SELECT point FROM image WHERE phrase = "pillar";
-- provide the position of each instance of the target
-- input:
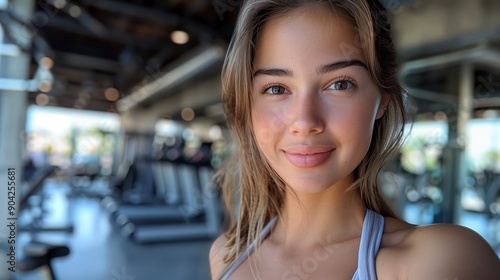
(12, 124)
(460, 82)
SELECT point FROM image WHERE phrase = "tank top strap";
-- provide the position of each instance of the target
(371, 236)
(265, 231)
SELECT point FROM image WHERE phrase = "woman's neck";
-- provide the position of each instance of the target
(329, 217)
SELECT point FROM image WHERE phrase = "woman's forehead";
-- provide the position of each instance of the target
(308, 36)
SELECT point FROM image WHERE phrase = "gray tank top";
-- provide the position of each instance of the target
(371, 236)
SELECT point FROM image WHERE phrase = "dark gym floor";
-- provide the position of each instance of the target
(98, 251)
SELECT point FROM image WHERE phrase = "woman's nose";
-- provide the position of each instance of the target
(307, 114)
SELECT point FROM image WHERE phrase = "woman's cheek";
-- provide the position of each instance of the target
(269, 122)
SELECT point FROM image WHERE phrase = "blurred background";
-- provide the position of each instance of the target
(110, 114)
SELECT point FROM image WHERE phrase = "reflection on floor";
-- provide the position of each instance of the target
(98, 251)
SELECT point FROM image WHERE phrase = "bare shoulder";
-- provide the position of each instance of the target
(444, 251)
(217, 253)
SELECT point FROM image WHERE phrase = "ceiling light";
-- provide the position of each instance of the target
(111, 94)
(179, 37)
(46, 62)
(187, 114)
(45, 86)
(60, 4)
(42, 99)
(75, 11)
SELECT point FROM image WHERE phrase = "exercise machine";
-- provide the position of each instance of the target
(186, 205)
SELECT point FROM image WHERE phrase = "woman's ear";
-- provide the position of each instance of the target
(383, 105)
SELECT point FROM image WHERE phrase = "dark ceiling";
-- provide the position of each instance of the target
(96, 45)
(124, 44)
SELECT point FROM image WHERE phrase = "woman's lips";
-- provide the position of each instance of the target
(308, 157)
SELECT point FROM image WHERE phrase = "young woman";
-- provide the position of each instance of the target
(311, 94)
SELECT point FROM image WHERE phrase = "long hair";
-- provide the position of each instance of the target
(261, 190)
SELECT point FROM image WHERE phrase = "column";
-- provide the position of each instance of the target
(460, 82)
(12, 124)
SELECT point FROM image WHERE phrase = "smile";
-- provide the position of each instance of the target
(308, 157)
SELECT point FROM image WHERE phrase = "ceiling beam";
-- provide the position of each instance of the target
(75, 92)
(111, 35)
(198, 97)
(204, 32)
(69, 102)
(181, 72)
(452, 44)
(88, 62)
(70, 74)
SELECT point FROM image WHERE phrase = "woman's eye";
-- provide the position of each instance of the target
(275, 90)
(342, 85)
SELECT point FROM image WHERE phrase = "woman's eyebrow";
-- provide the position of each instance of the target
(272, 72)
(322, 70)
(339, 65)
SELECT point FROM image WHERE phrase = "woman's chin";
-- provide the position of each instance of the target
(308, 188)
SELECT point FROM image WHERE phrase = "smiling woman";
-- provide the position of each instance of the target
(312, 121)
(311, 95)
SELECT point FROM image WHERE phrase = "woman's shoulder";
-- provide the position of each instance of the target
(439, 251)
(218, 252)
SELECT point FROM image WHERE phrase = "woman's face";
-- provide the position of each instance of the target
(314, 103)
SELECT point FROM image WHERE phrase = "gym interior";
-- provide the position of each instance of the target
(111, 128)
